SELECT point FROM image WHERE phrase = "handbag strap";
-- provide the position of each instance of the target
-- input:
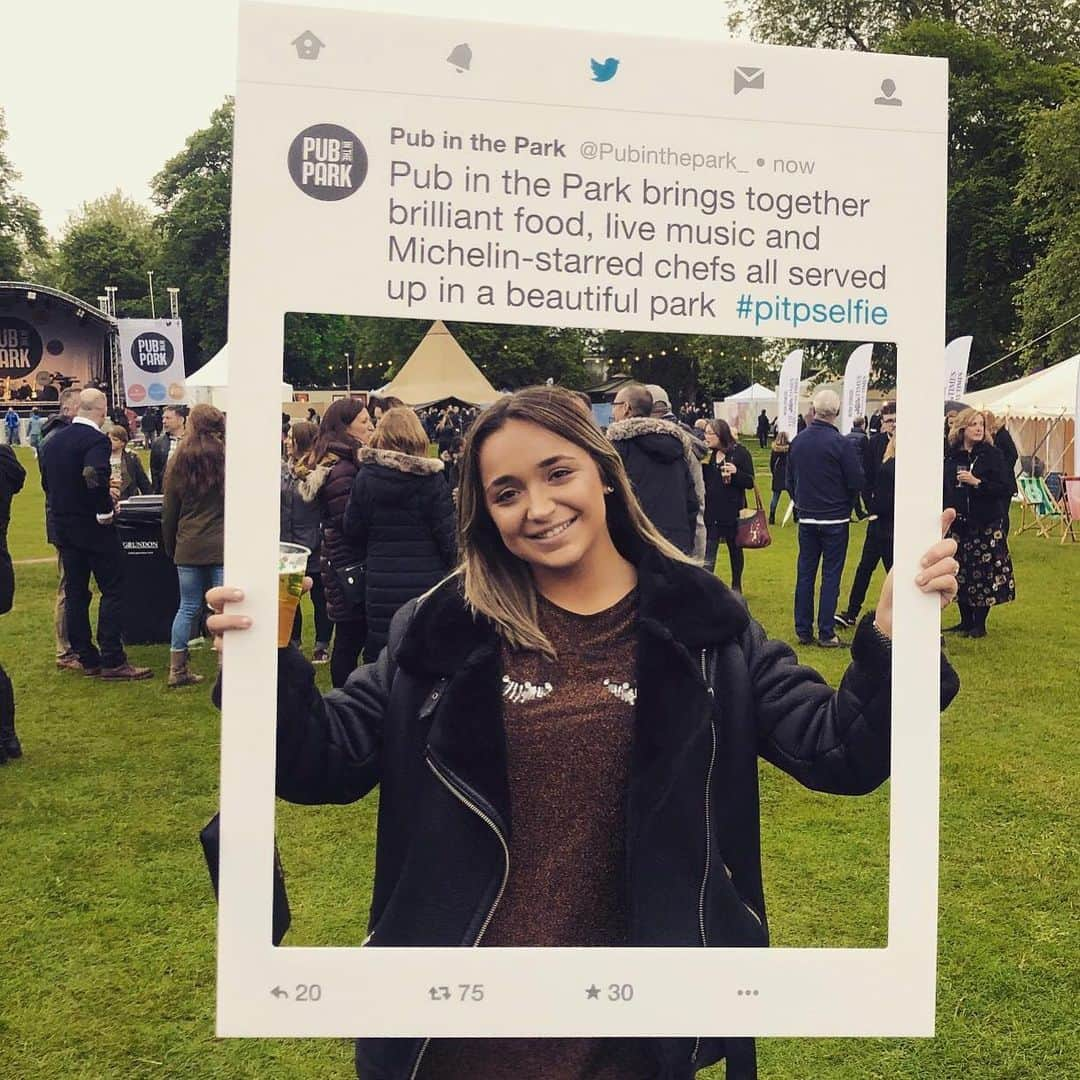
(757, 497)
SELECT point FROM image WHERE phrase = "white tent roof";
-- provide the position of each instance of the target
(1043, 395)
(757, 392)
(214, 375)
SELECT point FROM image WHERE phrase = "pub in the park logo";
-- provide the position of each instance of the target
(20, 348)
(151, 352)
(327, 162)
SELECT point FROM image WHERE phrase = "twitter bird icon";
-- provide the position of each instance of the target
(602, 72)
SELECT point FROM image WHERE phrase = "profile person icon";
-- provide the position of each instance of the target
(888, 94)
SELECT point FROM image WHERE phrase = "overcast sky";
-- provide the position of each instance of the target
(99, 96)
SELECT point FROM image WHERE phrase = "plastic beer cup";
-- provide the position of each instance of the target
(292, 562)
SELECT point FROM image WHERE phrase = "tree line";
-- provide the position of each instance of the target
(1013, 269)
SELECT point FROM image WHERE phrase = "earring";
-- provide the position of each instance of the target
(609, 491)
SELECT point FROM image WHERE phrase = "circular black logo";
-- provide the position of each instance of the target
(152, 352)
(20, 348)
(327, 162)
(54, 347)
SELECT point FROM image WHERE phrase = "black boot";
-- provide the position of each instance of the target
(965, 623)
(978, 622)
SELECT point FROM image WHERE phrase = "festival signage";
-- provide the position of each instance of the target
(856, 384)
(957, 354)
(787, 394)
(153, 361)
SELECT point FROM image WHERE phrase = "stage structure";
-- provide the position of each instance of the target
(50, 340)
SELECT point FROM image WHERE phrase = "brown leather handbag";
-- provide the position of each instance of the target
(752, 530)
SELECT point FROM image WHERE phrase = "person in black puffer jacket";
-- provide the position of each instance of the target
(401, 518)
(301, 523)
(345, 427)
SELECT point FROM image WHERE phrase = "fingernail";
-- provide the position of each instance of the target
(925, 562)
(245, 622)
(237, 594)
(920, 580)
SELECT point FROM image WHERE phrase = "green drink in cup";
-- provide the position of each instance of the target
(292, 562)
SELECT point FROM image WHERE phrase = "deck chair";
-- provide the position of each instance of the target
(1038, 509)
(1070, 508)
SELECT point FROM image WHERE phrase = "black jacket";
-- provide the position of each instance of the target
(666, 476)
(12, 478)
(56, 422)
(401, 521)
(982, 505)
(778, 469)
(883, 500)
(424, 723)
(329, 485)
(75, 477)
(824, 473)
(133, 476)
(724, 501)
(159, 458)
(1009, 455)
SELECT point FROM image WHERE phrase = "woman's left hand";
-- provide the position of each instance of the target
(937, 575)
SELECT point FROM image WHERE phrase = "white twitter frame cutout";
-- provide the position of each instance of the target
(320, 243)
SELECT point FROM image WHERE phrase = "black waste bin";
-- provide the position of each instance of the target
(151, 594)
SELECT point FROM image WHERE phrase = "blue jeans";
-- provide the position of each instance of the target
(827, 545)
(194, 581)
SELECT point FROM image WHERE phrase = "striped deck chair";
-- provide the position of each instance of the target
(1038, 509)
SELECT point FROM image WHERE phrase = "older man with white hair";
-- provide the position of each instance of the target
(75, 476)
(824, 475)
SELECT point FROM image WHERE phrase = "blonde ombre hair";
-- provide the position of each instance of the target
(498, 584)
(963, 419)
(399, 429)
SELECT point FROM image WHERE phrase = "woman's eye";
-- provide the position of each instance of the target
(559, 474)
(505, 495)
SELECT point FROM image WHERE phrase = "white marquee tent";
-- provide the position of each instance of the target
(210, 383)
(1039, 411)
(741, 410)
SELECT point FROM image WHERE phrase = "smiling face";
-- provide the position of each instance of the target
(545, 497)
(975, 430)
(712, 440)
(361, 428)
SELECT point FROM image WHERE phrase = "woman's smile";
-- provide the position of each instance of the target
(554, 531)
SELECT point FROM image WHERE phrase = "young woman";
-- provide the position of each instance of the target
(400, 520)
(127, 476)
(573, 680)
(301, 523)
(193, 527)
(346, 426)
(778, 471)
(728, 471)
(976, 486)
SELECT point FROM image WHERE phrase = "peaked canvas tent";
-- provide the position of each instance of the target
(438, 370)
(741, 410)
(1039, 411)
(210, 383)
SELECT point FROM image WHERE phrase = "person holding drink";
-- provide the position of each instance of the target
(127, 476)
(976, 487)
(543, 727)
(193, 527)
(728, 471)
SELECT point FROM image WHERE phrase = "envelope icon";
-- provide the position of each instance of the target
(749, 78)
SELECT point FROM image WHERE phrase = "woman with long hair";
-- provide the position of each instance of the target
(728, 471)
(332, 464)
(544, 727)
(976, 486)
(778, 471)
(301, 523)
(400, 520)
(193, 527)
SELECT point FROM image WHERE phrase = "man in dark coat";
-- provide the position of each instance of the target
(824, 476)
(65, 655)
(173, 420)
(663, 468)
(763, 429)
(75, 476)
(858, 438)
(12, 477)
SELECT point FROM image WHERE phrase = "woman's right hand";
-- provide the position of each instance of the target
(221, 622)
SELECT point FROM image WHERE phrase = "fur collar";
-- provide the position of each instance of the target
(311, 484)
(406, 463)
(678, 601)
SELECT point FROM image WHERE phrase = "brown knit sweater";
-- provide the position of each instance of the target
(569, 725)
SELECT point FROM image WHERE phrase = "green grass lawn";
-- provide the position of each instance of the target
(107, 920)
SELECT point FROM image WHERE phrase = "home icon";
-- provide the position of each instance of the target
(308, 46)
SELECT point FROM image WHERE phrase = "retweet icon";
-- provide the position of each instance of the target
(601, 72)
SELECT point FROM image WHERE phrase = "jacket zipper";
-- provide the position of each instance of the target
(487, 819)
(708, 815)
